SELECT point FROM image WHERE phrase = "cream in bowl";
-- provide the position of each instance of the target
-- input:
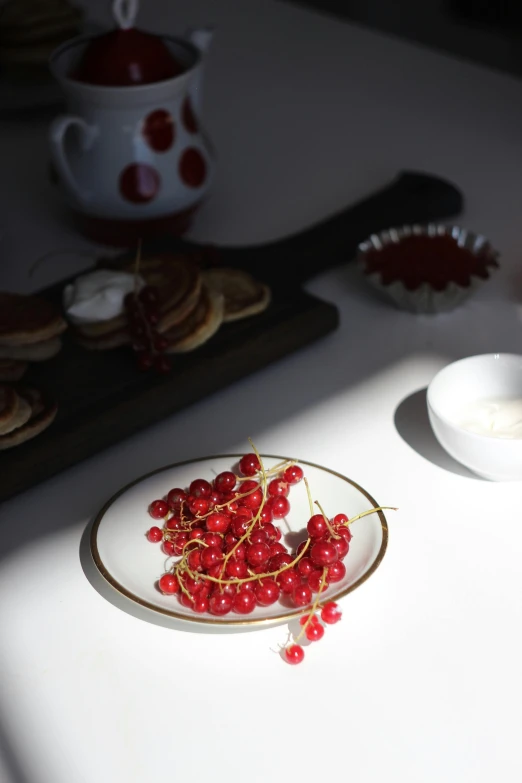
(475, 410)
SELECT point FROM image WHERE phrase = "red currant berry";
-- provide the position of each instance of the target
(175, 498)
(187, 600)
(294, 654)
(339, 519)
(195, 533)
(217, 571)
(240, 526)
(179, 540)
(158, 509)
(230, 589)
(215, 498)
(258, 537)
(345, 532)
(302, 595)
(190, 584)
(174, 523)
(280, 507)
(220, 603)
(305, 566)
(244, 601)
(342, 546)
(315, 581)
(293, 474)
(331, 613)
(304, 619)
(168, 547)
(145, 360)
(194, 560)
(317, 526)
(200, 488)
(272, 532)
(267, 592)
(287, 580)
(212, 539)
(154, 535)
(277, 487)
(211, 556)
(198, 506)
(276, 548)
(168, 584)
(301, 547)
(236, 569)
(266, 514)
(336, 571)
(279, 561)
(247, 586)
(257, 554)
(249, 465)
(218, 523)
(314, 632)
(200, 604)
(225, 482)
(323, 553)
(253, 500)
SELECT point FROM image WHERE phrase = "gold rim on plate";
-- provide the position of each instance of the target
(198, 619)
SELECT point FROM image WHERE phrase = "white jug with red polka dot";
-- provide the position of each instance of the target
(131, 156)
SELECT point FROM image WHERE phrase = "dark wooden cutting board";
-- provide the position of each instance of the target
(103, 398)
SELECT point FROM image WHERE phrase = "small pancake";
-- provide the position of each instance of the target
(8, 406)
(12, 370)
(102, 328)
(21, 415)
(34, 352)
(104, 342)
(42, 414)
(244, 296)
(27, 319)
(199, 326)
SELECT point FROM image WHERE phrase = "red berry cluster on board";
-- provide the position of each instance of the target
(229, 552)
(143, 315)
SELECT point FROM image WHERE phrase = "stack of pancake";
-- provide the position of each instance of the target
(24, 414)
(30, 30)
(30, 329)
(192, 304)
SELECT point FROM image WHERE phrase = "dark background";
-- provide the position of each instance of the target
(485, 31)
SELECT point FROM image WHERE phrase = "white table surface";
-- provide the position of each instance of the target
(422, 679)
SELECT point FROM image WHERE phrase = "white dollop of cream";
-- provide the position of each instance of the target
(98, 296)
(498, 418)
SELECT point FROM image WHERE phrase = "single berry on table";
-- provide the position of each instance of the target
(294, 654)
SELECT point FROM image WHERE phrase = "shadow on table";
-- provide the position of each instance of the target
(413, 425)
(10, 762)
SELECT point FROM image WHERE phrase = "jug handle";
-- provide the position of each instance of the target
(57, 132)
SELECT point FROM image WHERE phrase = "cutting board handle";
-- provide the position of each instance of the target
(411, 198)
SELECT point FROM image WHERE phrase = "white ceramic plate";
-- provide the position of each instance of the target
(132, 565)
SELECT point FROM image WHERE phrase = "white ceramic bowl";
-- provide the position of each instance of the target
(466, 381)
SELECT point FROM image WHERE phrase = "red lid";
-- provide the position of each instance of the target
(126, 58)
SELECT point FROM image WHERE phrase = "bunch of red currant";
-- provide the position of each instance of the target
(143, 315)
(230, 554)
